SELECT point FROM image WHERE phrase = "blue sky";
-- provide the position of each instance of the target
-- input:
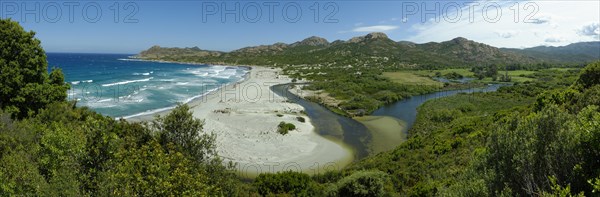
(199, 23)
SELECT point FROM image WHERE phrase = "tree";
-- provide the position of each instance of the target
(151, 171)
(184, 131)
(62, 146)
(26, 86)
(525, 151)
(505, 77)
(19, 175)
(590, 76)
(492, 70)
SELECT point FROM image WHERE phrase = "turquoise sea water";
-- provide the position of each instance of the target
(119, 86)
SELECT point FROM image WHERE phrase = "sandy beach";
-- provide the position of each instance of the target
(245, 115)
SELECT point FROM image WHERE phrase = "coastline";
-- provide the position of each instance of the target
(149, 115)
(244, 115)
(135, 58)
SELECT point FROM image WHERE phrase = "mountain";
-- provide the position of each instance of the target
(576, 52)
(312, 41)
(471, 52)
(378, 48)
(158, 52)
(369, 37)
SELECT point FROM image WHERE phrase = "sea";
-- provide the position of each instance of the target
(121, 86)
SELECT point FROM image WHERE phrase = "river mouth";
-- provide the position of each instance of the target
(406, 109)
(331, 125)
(383, 130)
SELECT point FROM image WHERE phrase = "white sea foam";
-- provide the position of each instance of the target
(200, 76)
(145, 74)
(100, 103)
(127, 82)
(84, 81)
(169, 108)
(147, 112)
(104, 100)
(222, 72)
(134, 60)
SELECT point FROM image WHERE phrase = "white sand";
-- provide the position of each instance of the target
(246, 129)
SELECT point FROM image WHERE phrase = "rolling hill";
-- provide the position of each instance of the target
(378, 48)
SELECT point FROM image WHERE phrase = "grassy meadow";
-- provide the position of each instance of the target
(424, 77)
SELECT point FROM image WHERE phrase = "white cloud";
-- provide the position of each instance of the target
(507, 34)
(590, 30)
(564, 21)
(376, 28)
(555, 39)
(540, 20)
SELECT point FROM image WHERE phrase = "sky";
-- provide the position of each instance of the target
(121, 26)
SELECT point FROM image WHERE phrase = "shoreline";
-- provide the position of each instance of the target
(149, 115)
(244, 115)
(134, 58)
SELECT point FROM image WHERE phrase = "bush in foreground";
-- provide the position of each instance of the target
(362, 183)
(298, 184)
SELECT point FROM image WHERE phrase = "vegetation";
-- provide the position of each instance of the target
(364, 183)
(485, 71)
(57, 149)
(512, 142)
(26, 85)
(365, 73)
(284, 128)
(540, 137)
(455, 145)
(301, 119)
(410, 78)
(453, 75)
(292, 183)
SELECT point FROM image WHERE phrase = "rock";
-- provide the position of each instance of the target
(376, 35)
(370, 36)
(312, 41)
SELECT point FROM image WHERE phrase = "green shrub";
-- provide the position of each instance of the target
(301, 119)
(453, 75)
(590, 76)
(362, 183)
(284, 128)
(445, 115)
(467, 107)
(295, 183)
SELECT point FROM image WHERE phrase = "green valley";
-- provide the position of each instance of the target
(527, 122)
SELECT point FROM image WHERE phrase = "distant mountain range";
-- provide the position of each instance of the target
(576, 52)
(378, 48)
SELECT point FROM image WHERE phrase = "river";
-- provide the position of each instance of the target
(352, 132)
